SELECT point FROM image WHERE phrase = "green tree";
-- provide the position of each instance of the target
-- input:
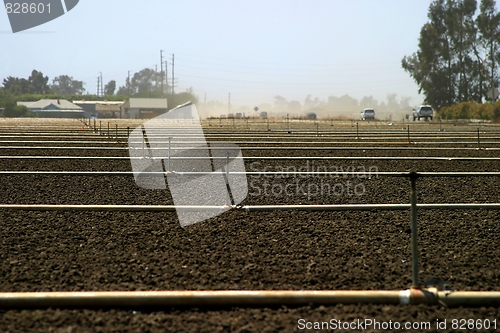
(488, 23)
(432, 65)
(464, 36)
(143, 82)
(35, 84)
(125, 90)
(16, 86)
(66, 85)
(13, 110)
(38, 83)
(109, 89)
(458, 52)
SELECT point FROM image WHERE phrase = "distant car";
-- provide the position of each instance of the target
(238, 115)
(423, 111)
(263, 114)
(230, 115)
(311, 115)
(368, 114)
(223, 116)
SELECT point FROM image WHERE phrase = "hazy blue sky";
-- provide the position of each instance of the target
(251, 49)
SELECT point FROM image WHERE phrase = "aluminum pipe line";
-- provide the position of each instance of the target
(172, 208)
(260, 173)
(193, 298)
(272, 158)
(320, 140)
(368, 207)
(256, 298)
(404, 146)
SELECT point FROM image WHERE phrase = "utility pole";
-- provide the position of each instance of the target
(229, 104)
(161, 71)
(173, 61)
(166, 76)
(156, 77)
(102, 86)
(128, 84)
(98, 82)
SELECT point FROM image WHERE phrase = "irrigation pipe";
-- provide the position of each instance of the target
(255, 298)
(260, 148)
(182, 141)
(248, 208)
(370, 207)
(274, 135)
(380, 135)
(258, 173)
(272, 158)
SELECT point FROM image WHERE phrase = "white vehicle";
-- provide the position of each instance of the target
(423, 111)
(368, 114)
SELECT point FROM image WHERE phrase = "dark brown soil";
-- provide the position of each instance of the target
(54, 251)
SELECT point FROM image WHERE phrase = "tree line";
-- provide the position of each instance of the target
(147, 83)
(344, 106)
(38, 84)
(144, 84)
(458, 53)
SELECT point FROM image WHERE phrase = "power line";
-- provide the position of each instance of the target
(289, 83)
(358, 71)
(280, 64)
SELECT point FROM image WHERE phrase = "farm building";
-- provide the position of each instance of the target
(143, 108)
(100, 109)
(54, 108)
